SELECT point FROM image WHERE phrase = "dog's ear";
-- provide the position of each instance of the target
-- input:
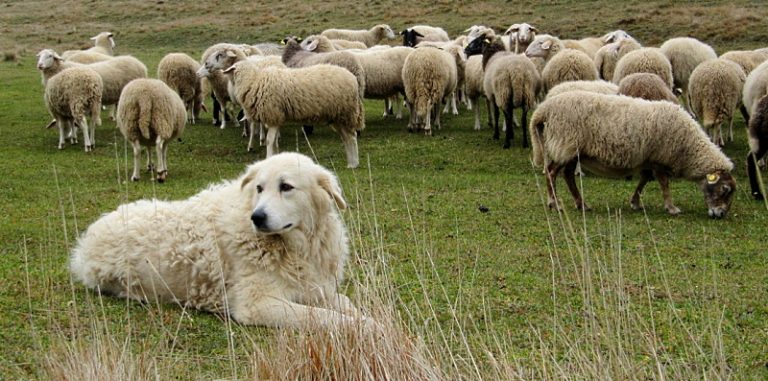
(331, 186)
(249, 175)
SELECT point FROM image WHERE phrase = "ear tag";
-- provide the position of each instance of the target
(712, 178)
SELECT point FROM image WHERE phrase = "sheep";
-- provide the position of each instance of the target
(510, 80)
(644, 60)
(684, 54)
(369, 37)
(747, 59)
(115, 73)
(646, 86)
(598, 86)
(561, 64)
(429, 75)
(755, 87)
(294, 56)
(521, 35)
(319, 93)
(150, 114)
(617, 135)
(179, 72)
(609, 55)
(457, 52)
(218, 85)
(414, 35)
(473, 86)
(590, 45)
(86, 57)
(758, 143)
(71, 95)
(103, 42)
(714, 92)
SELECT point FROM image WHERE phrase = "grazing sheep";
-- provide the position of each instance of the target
(369, 37)
(561, 64)
(510, 80)
(644, 60)
(747, 59)
(598, 86)
(294, 56)
(617, 136)
(714, 92)
(646, 86)
(684, 54)
(150, 114)
(103, 42)
(71, 95)
(414, 35)
(179, 72)
(429, 75)
(758, 143)
(521, 35)
(319, 93)
(609, 55)
(86, 57)
(473, 87)
(218, 85)
(115, 73)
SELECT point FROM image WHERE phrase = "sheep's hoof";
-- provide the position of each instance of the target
(583, 206)
(61, 146)
(134, 178)
(757, 196)
(635, 204)
(673, 210)
(553, 204)
(428, 132)
(161, 176)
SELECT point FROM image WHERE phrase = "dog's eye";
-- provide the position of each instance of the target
(259, 189)
(285, 187)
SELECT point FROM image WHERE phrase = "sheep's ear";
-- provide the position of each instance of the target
(230, 70)
(546, 45)
(331, 186)
(404, 31)
(313, 45)
(282, 42)
(512, 29)
(418, 34)
(533, 29)
(93, 38)
(231, 53)
(57, 57)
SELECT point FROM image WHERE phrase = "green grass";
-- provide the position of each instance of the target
(515, 274)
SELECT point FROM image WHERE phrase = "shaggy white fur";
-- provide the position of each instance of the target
(268, 248)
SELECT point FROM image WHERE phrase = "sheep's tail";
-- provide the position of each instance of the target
(145, 116)
(360, 120)
(96, 112)
(538, 122)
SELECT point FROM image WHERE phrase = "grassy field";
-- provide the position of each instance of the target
(450, 231)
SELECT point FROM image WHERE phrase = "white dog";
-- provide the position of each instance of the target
(268, 248)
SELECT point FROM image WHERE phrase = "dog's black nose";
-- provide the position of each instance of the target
(259, 219)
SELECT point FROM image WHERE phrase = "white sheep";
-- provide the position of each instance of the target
(414, 35)
(561, 64)
(150, 114)
(509, 81)
(684, 54)
(617, 136)
(294, 56)
(714, 93)
(456, 50)
(86, 57)
(179, 72)
(598, 86)
(647, 86)
(473, 87)
(644, 60)
(115, 73)
(319, 93)
(70, 96)
(270, 48)
(755, 87)
(519, 36)
(217, 82)
(369, 37)
(103, 43)
(609, 55)
(747, 59)
(590, 45)
(429, 75)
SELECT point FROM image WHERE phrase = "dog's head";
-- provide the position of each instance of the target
(289, 191)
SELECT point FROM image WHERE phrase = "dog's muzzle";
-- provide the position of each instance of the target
(259, 219)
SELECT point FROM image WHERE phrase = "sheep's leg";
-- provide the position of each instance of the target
(509, 134)
(62, 132)
(524, 125)
(436, 113)
(495, 121)
(663, 179)
(216, 110)
(387, 107)
(161, 147)
(224, 117)
(136, 160)
(477, 116)
(744, 114)
(350, 147)
(396, 103)
(730, 129)
(86, 135)
(645, 177)
(454, 102)
(272, 146)
(240, 116)
(552, 170)
(490, 113)
(251, 134)
(428, 122)
(470, 102)
(413, 118)
(570, 180)
(262, 134)
(752, 170)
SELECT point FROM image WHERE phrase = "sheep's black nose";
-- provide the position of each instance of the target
(259, 219)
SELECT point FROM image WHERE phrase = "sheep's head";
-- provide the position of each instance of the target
(410, 37)
(317, 43)
(218, 60)
(476, 45)
(47, 58)
(384, 30)
(291, 40)
(718, 188)
(524, 33)
(104, 39)
(540, 47)
(615, 36)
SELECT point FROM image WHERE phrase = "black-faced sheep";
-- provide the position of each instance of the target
(70, 96)
(414, 35)
(617, 136)
(150, 114)
(319, 93)
(369, 37)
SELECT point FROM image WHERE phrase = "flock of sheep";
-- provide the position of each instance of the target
(607, 103)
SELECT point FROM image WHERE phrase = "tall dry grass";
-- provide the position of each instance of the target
(608, 332)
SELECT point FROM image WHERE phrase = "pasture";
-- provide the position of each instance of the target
(453, 243)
